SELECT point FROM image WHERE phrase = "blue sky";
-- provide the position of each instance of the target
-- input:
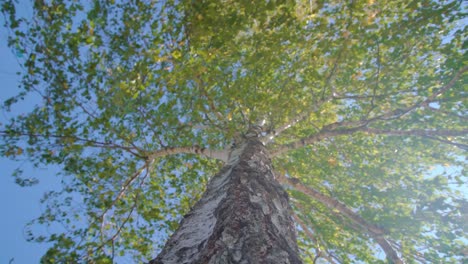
(18, 204)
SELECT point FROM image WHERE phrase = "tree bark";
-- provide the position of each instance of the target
(243, 217)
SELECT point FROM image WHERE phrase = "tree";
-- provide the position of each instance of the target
(359, 105)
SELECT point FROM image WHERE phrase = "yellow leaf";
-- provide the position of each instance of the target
(332, 161)
(19, 151)
(176, 54)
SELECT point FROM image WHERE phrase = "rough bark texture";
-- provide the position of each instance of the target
(243, 217)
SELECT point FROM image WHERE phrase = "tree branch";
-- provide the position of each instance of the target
(302, 116)
(119, 228)
(374, 231)
(87, 142)
(299, 118)
(458, 145)
(415, 132)
(210, 101)
(437, 110)
(394, 114)
(125, 187)
(449, 85)
(323, 134)
(399, 112)
(318, 252)
(215, 154)
(332, 204)
(377, 81)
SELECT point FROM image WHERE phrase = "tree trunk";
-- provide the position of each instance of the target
(243, 217)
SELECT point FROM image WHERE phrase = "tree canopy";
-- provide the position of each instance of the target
(361, 105)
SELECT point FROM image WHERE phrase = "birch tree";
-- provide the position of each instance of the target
(272, 131)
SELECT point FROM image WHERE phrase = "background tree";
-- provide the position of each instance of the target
(361, 105)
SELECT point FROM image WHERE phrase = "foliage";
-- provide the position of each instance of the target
(360, 100)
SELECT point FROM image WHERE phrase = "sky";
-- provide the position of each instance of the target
(18, 205)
